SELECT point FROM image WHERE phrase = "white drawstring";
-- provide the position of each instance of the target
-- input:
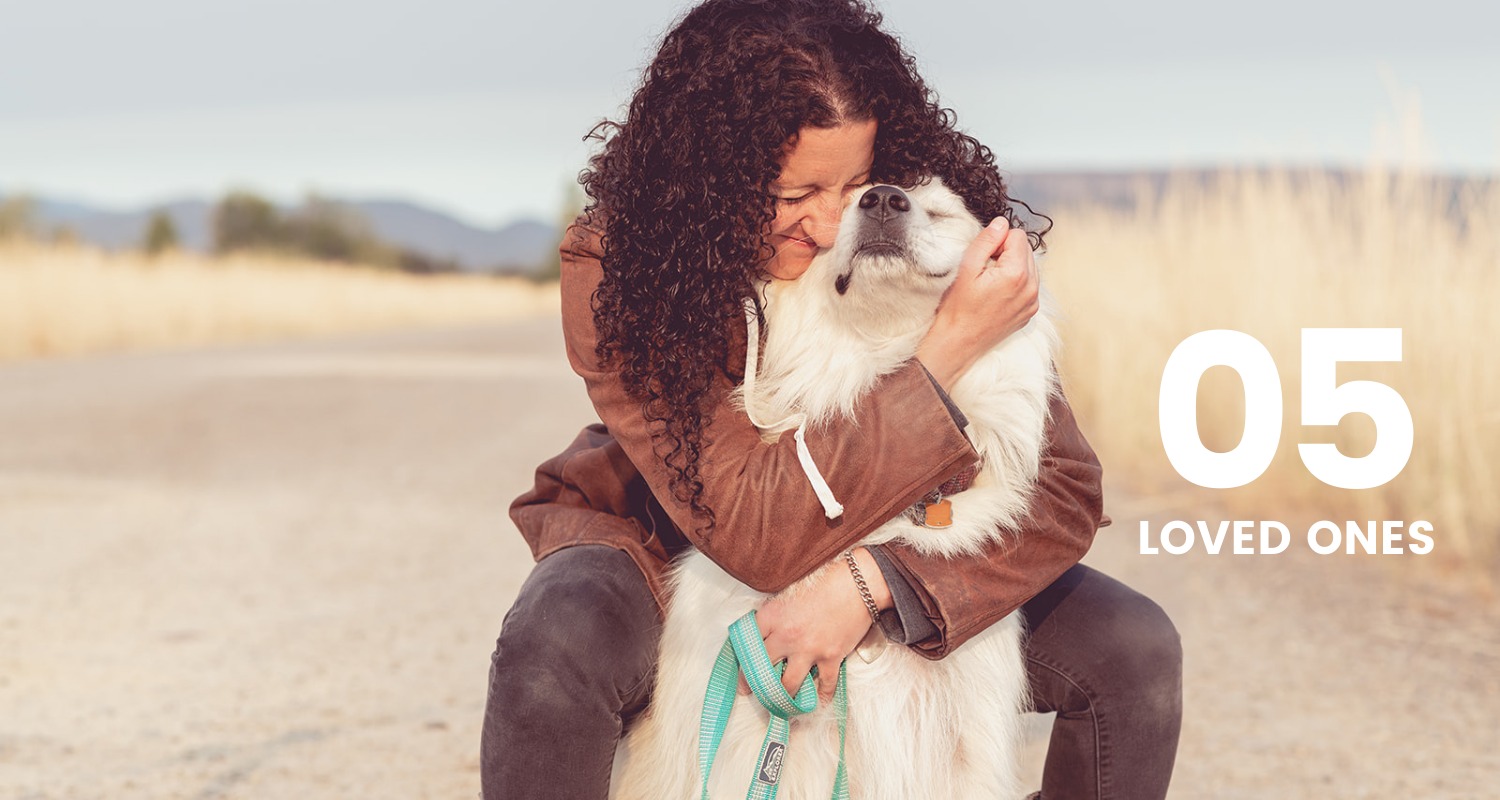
(831, 506)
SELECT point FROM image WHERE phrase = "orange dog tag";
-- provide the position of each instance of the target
(939, 514)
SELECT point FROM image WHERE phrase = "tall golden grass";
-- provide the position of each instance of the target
(1270, 253)
(69, 299)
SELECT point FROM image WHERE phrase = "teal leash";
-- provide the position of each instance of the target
(745, 650)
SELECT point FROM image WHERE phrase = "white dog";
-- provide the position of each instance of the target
(917, 728)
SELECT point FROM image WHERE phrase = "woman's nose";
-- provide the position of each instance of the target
(824, 224)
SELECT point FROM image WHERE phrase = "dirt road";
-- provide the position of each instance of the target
(278, 571)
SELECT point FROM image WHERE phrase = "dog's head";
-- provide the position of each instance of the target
(897, 251)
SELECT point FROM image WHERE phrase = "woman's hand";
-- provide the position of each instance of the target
(821, 623)
(986, 303)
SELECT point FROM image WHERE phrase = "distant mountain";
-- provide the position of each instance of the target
(121, 229)
(522, 246)
(1054, 190)
(1047, 192)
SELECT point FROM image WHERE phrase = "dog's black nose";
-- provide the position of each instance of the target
(884, 202)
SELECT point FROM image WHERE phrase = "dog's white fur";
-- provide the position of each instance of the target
(917, 728)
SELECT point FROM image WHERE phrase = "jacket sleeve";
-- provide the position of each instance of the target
(770, 528)
(961, 597)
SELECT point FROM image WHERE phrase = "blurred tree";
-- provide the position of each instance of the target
(161, 234)
(319, 228)
(18, 217)
(244, 220)
(422, 264)
(572, 206)
(322, 228)
(65, 235)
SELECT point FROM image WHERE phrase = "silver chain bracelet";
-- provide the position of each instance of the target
(864, 589)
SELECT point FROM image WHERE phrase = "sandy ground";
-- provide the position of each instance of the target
(278, 571)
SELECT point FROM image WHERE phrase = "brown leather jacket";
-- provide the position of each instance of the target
(608, 487)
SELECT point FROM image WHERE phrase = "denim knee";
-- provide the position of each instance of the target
(1143, 651)
(584, 623)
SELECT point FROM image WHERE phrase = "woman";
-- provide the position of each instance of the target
(752, 123)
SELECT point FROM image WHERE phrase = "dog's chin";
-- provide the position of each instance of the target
(881, 249)
(897, 256)
(893, 271)
(885, 259)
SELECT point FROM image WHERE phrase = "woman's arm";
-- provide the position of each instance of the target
(961, 597)
(770, 527)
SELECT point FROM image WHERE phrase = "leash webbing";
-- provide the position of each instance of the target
(745, 650)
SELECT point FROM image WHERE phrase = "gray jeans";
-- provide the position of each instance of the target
(576, 654)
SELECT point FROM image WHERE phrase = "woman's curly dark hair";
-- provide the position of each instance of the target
(684, 184)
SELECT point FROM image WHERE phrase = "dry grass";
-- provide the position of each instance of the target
(1270, 254)
(65, 300)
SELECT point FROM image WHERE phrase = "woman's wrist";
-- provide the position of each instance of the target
(941, 358)
(874, 578)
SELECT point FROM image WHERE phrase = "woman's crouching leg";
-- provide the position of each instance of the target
(1109, 662)
(574, 656)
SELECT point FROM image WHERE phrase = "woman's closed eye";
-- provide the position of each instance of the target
(792, 201)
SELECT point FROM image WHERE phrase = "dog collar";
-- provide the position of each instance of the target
(934, 510)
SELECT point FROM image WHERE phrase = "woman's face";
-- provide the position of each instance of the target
(817, 176)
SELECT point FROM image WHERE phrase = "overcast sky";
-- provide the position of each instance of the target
(478, 108)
